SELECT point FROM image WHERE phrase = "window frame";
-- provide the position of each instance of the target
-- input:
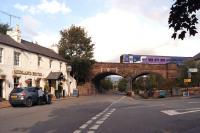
(50, 63)
(39, 61)
(1, 55)
(17, 60)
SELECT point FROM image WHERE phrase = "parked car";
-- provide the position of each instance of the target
(27, 96)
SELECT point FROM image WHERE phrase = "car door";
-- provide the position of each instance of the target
(33, 93)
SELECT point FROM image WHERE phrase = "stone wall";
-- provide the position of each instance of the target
(86, 89)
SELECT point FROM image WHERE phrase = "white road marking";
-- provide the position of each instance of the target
(88, 122)
(90, 132)
(83, 126)
(99, 122)
(170, 112)
(193, 102)
(95, 127)
(77, 131)
(94, 118)
(175, 112)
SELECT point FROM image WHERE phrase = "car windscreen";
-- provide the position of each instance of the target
(17, 90)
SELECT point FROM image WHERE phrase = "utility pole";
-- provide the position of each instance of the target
(10, 16)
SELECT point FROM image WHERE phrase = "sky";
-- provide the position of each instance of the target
(116, 26)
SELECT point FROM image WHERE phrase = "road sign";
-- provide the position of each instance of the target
(187, 80)
(193, 70)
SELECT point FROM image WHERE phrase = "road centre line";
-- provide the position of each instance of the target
(95, 127)
(83, 126)
(77, 131)
(97, 116)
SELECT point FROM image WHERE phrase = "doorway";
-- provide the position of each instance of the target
(1, 88)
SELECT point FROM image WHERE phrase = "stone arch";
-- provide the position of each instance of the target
(146, 73)
(97, 77)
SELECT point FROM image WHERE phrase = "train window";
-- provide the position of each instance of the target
(162, 60)
(150, 59)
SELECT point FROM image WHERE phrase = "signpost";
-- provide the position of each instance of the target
(187, 80)
(192, 70)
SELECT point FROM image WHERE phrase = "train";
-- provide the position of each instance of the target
(152, 59)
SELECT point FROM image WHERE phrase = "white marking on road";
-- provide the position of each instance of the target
(193, 102)
(83, 126)
(99, 122)
(95, 127)
(170, 112)
(90, 132)
(94, 118)
(88, 122)
(77, 131)
(175, 112)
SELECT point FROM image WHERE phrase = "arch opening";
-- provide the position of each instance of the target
(147, 83)
(106, 81)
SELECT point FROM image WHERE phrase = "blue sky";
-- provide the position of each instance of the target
(116, 26)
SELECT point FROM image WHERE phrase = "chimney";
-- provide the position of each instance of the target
(54, 47)
(15, 34)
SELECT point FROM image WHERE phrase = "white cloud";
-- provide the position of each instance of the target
(46, 38)
(21, 7)
(30, 25)
(31, 32)
(120, 31)
(45, 6)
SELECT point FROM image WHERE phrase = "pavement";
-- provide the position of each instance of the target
(6, 104)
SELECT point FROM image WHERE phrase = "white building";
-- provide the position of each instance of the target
(28, 64)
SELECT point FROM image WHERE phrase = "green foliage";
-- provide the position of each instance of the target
(195, 77)
(46, 87)
(81, 68)
(183, 18)
(148, 83)
(75, 43)
(106, 84)
(4, 28)
(76, 47)
(122, 85)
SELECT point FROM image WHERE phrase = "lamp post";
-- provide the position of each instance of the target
(69, 69)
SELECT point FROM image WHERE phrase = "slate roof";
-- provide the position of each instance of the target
(54, 75)
(196, 57)
(30, 47)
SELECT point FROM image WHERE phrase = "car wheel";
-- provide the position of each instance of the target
(49, 100)
(13, 105)
(29, 102)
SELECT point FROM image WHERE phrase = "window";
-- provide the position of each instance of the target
(50, 63)
(150, 59)
(162, 60)
(16, 81)
(1, 55)
(60, 65)
(156, 60)
(16, 58)
(39, 60)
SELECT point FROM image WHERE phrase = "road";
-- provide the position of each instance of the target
(105, 114)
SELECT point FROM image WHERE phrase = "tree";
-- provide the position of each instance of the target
(122, 85)
(76, 47)
(81, 68)
(106, 84)
(75, 43)
(195, 77)
(4, 28)
(182, 18)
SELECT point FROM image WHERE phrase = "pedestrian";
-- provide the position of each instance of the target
(19, 85)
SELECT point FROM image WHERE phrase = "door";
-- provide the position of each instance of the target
(1, 88)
